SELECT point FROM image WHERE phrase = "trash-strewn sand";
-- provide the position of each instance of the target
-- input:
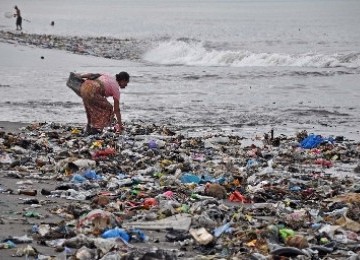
(298, 176)
(13, 223)
(13, 206)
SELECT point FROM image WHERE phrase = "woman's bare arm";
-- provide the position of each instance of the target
(118, 114)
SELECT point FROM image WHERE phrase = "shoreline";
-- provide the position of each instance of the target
(105, 47)
(128, 51)
(12, 127)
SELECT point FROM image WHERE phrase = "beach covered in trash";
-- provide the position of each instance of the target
(155, 192)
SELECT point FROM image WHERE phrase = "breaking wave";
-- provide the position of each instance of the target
(194, 53)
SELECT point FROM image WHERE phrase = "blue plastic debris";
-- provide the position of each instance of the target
(152, 144)
(190, 178)
(224, 228)
(91, 175)
(313, 141)
(77, 178)
(116, 233)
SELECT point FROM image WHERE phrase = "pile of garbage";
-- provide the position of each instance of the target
(156, 193)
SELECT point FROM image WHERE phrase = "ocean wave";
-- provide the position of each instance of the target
(195, 53)
(181, 51)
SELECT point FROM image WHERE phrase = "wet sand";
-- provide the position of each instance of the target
(11, 127)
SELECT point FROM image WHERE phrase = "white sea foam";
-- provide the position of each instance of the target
(195, 54)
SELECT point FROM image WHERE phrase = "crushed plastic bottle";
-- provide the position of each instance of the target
(8, 244)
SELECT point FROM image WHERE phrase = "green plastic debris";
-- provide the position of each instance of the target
(31, 214)
(286, 232)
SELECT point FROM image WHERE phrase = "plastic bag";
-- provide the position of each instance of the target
(313, 141)
(115, 233)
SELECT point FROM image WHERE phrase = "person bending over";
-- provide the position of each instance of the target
(94, 93)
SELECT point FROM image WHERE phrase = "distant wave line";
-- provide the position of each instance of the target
(194, 53)
(32, 104)
(182, 51)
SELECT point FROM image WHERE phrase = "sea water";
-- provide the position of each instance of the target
(224, 65)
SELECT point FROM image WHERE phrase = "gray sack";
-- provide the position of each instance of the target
(74, 82)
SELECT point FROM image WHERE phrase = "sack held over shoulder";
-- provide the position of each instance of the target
(74, 82)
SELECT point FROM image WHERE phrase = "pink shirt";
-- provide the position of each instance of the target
(111, 86)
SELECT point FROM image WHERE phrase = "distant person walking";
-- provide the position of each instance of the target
(18, 18)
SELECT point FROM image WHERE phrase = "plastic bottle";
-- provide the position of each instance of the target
(28, 192)
(7, 244)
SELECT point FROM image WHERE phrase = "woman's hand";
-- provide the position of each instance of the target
(119, 128)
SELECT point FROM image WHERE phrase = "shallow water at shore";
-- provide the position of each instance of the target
(198, 98)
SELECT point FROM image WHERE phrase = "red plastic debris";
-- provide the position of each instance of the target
(238, 197)
(324, 163)
(103, 154)
(150, 202)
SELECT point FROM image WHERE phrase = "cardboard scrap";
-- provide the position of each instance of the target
(201, 235)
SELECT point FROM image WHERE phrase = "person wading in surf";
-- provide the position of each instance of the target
(18, 18)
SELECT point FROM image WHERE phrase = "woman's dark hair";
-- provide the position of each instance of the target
(123, 76)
